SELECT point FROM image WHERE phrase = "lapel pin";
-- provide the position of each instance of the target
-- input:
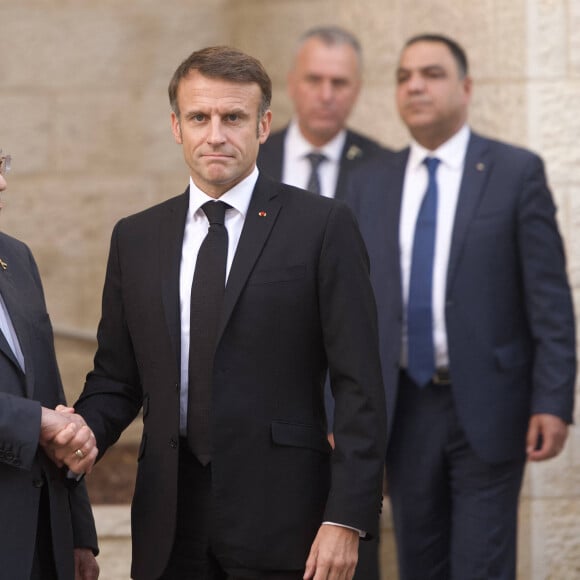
(480, 166)
(262, 214)
(3, 264)
(353, 152)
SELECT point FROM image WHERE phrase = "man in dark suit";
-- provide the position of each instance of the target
(235, 476)
(323, 83)
(47, 530)
(478, 341)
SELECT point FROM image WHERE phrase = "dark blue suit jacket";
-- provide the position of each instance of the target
(508, 311)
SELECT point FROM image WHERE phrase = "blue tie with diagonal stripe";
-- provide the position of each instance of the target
(421, 351)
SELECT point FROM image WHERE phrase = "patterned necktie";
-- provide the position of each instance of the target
(421, 351)
(314, 180)
(207, 296)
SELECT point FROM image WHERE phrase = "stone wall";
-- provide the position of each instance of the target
(83, 110)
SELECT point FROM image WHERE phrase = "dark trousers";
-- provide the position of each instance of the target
(43, 567)
(192, 556)
(455, 516)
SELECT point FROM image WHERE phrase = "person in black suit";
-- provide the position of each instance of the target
(239, 481)
(47, 530)
(479, 371)
(323, 83)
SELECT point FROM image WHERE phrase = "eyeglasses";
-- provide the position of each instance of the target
(5, 161)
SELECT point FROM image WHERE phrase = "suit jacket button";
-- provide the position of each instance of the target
(37, 483)
(173, 443)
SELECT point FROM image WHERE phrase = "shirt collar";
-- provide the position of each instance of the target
(237, 197)
(300, 147)
(451, 153)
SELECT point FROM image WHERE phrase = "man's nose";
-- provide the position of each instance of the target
(326, 90)
(215, 131)
(415, 83)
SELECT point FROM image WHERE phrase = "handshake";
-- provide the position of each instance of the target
(67, 439)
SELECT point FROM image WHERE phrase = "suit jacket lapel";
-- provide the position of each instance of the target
(171, 240)
(351, 154)
(476, 171)
(393, 213)
(262, 212)
(17, 312)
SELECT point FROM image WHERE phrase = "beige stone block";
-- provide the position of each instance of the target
(547, 48)
(573, 240)
(114, 531)
(554, 126)
(98, 133)
(557, 478)
(507, 42)
(75, 359)
(524, 561)
(68, 228)
(105, 44)
(376, 115)
(574, 38)
(286, 20)
(27, 133)
(499, 111)
(555, 529)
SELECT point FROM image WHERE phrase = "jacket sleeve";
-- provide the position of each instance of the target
(349, 322)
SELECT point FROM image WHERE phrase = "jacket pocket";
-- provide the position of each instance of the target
(299, 435)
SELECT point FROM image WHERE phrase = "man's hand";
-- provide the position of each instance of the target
(333, 555)
(546, 437)
(68, 440)
(86, 567)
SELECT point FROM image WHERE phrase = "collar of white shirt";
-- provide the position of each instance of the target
(450, 153)
(300, 147)
(237, 197)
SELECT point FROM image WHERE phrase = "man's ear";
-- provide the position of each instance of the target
(176, 128)
(264, 126)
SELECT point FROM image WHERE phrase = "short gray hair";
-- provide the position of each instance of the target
(332, 36)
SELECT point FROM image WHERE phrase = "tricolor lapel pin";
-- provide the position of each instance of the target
(262, 214)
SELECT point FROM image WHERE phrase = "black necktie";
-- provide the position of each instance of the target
(207, 296)
(421, 351)
(314, 180)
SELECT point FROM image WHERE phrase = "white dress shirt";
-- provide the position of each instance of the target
(296, 167)
(7, 329)
(449, 174)
(196, 227)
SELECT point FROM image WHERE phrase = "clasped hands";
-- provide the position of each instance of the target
(67, 439)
